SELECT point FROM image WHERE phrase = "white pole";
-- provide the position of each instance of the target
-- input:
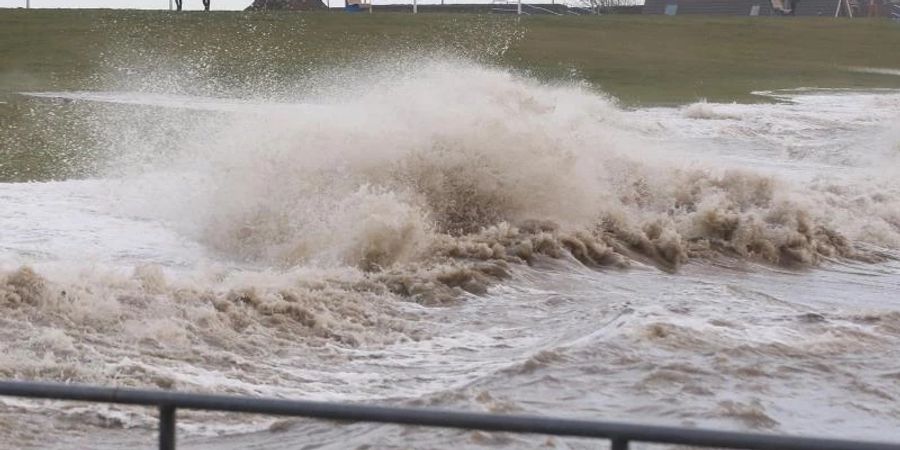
(519, 7)
(415, 7)
(170, 5)
(27, 4)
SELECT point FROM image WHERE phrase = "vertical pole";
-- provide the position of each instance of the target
(519, 7)
(166, 427)
(27, 4)
(415, 7)
(619, 444)
(171, 6)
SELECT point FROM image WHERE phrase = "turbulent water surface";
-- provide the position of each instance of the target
(467, 238)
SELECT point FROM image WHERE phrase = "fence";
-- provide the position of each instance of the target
(619, 434)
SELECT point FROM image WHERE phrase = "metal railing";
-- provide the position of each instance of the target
(620, 434)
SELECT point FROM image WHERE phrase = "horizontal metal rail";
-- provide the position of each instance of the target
(620, 434)
(541, 9)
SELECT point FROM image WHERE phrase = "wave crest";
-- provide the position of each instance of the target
(457, 161)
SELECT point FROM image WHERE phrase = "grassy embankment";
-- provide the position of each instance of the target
(640, 60)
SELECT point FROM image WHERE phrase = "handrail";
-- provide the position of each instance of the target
(621, 434)
(541, 8)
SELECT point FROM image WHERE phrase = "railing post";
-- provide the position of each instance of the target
(619, 444)
(166, 427)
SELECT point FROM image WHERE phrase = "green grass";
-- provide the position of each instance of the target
(666, 60)
(640, 60)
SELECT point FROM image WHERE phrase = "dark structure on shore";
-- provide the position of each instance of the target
(179, 2)
(824, 8)
(469, 8)
(289, 5)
